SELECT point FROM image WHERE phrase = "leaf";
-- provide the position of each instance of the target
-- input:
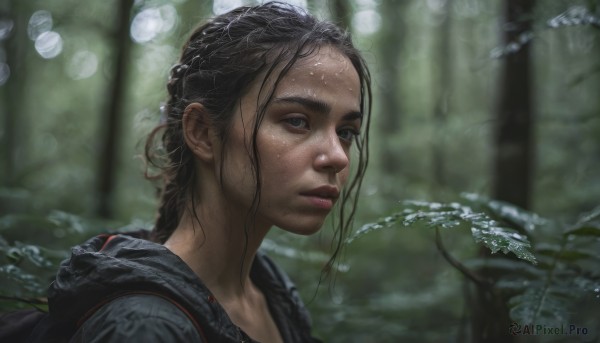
(34, 254)
(485, 230)
(587, 229)
(586, 284)
(497, 238)
(14, 255)
(386, 222)
(590, 216)
(71, 222)
(541, 305)
(569, 255)
(525, 220)
(26, 280)
(574, 16)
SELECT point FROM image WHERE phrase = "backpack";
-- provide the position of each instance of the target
(17, 326)
(35, 325)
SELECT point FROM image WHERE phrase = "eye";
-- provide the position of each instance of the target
(348, 134)
(297, 123)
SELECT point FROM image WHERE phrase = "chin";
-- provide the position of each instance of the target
(303, 228)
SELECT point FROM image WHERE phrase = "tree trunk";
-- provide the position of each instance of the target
(390, 48)
(13, 137)
(112, 123)
(514, 155)
(513, 159)
(442, 88)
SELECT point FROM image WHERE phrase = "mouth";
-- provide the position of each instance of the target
(323, 197)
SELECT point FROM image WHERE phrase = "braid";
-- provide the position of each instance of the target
(176, 173)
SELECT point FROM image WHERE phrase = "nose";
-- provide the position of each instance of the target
(331, 155)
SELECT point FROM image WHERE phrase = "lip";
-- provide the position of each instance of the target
(322, 197)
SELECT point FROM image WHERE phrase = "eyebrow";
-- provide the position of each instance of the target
(317, 106)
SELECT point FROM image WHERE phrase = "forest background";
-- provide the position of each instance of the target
(474, 100)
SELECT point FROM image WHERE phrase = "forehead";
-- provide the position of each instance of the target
(326, 67)
(326, 75)
(323, 57)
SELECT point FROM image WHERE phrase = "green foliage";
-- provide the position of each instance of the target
(571, 274)
(31, 248)
(574, 16)
(543, 292)
(487, 231)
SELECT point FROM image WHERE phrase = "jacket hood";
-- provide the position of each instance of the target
(108, 265)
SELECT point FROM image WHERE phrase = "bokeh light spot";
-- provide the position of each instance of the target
(82, 65)
(49, 44)
(6, 26)
(40, 22)
(366, 22)
(151, 22)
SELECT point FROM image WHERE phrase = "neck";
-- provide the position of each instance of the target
(217, 249)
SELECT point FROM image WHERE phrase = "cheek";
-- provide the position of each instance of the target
(276, 150)
(278, 160)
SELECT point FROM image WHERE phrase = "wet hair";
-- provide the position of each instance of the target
(218, 64)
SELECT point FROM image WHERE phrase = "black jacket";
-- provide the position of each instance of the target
(125, 289)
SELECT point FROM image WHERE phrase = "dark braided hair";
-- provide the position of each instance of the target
(218, 64)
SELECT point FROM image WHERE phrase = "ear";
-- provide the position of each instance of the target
(198, 132)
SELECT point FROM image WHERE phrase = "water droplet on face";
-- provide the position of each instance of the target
(323, 77)
(311, 73)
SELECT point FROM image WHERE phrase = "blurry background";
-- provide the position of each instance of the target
(495, 97)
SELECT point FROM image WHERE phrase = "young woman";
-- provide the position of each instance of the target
(266, 104)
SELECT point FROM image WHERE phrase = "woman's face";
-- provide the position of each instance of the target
(303, 142)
